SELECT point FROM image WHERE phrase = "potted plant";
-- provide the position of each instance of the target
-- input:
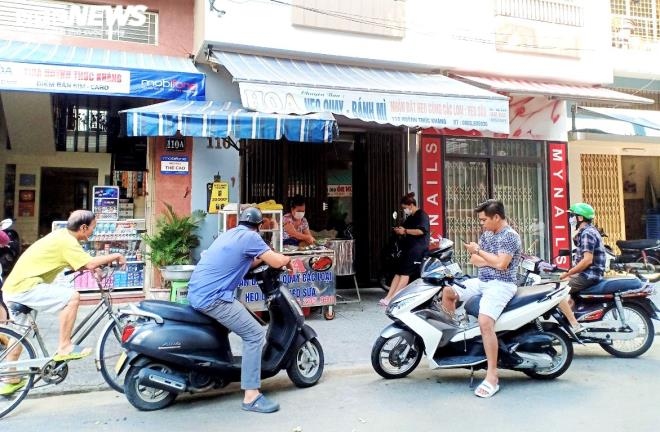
(170, 248)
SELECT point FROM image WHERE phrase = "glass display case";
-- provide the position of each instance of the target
(112, 236)
(271, 230)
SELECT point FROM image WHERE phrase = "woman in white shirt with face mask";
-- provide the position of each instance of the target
(296, 228)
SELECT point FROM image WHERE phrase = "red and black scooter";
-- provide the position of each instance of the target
(173, 349)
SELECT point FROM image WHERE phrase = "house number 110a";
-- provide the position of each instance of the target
(175, 144)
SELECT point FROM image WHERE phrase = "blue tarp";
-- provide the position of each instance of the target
(222, 119)
(30, 66)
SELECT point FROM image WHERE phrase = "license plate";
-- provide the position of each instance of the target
(120, 362)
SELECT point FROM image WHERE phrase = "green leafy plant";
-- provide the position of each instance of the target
(174, 239)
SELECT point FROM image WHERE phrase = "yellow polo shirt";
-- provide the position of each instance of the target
(44, 260)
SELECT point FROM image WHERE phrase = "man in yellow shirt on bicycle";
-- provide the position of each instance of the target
(30, 282)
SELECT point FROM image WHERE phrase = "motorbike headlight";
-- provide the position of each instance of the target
(395, 306)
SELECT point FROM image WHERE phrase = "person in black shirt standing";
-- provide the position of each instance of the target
(414, 242)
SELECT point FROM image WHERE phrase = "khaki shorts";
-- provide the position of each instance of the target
(49, 298)
(494, 295)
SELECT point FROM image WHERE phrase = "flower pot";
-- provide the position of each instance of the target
(177, 272)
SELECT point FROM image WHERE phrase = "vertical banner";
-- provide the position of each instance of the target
(432, 198)
(560, 234)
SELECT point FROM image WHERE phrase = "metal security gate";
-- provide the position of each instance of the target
(281, 169)
(378, 185)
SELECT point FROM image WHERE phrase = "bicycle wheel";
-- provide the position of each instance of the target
(108, 352)
(9, 342)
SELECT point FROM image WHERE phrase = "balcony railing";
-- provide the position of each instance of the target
(567, 12)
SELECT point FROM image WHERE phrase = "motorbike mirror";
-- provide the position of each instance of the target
(395, 215)
(564, 252)
(5, 223)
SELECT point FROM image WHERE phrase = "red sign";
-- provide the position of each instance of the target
(432, 198)
(560, 233)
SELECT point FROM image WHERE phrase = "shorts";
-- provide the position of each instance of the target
(410, 263)
(49, 298)
(495, 295)
(579, 283)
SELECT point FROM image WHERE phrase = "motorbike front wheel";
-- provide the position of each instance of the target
(306, 367)
(143, 397)
(561, 352)
(395, 357)
(636, 318)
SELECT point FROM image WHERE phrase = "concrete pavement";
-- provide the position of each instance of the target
(598, 392)
(346, 340)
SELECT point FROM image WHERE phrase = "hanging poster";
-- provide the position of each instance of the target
(106, 202)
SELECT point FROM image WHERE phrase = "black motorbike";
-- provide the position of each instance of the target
(644, 253)
(616, 313)
(172, 348)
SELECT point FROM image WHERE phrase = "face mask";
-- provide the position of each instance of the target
(406, 211)
(299, 215)
(573, 221)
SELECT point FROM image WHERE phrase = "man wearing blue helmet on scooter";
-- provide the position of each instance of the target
(212, 288)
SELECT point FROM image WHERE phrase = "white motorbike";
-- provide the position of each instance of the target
(421, 327)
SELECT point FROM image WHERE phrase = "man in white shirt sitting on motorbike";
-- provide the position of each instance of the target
(496, 255)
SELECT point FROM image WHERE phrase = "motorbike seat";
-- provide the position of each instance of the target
(637, 244)
(175, 311)
(610, 286)
(524, 296)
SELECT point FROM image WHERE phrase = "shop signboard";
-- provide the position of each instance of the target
(392, 108)
(100, 81)
(219, 196)
(560, 230)
(312, 284)
(174, 165)
(340, 191)
(432, 198)
(106, 202)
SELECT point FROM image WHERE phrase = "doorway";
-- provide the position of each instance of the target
(62, 191)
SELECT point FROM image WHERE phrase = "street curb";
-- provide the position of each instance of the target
(329, 370)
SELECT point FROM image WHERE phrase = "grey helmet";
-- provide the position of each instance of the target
(251, 216)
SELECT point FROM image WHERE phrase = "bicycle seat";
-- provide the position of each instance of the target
(175, 311)
(18, 308)
(638, 244)
(524, 296)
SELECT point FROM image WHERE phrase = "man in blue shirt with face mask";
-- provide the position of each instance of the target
(590, 257)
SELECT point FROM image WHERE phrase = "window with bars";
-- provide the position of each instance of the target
(635, 23)
(82, 123)
(567, 12)
(508, 170)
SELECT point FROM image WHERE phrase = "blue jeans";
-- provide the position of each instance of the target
(237, 318)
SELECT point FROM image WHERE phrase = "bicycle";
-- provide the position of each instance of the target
(34, 366)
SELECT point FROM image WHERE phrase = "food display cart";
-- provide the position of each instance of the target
(313, 282)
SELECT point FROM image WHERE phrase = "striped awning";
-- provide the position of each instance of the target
(31, 66)
(385, 96)
(222, 119)
(577, 92)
